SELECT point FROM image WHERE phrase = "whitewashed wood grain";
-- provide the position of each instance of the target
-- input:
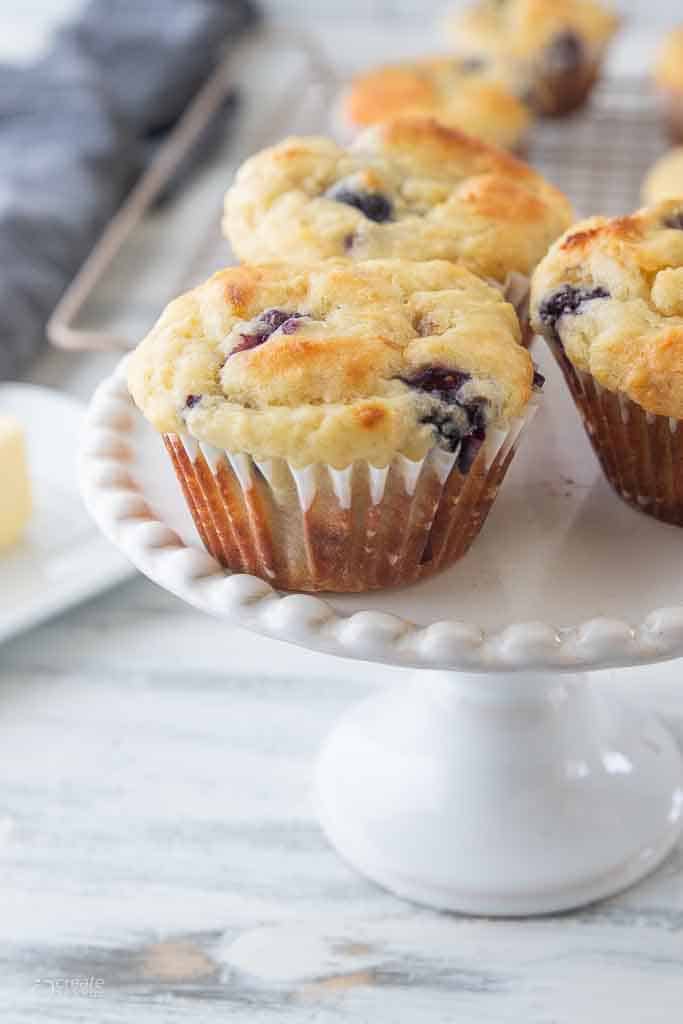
(157, 834)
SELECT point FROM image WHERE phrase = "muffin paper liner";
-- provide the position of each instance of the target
(560, 93)
(344, 530)
(640, 453)
(673, 102)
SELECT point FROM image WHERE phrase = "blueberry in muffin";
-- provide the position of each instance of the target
(566, 301)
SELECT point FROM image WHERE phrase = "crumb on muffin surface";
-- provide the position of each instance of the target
(610, 292)
(450, 88)
(411, 188)
(335, 362)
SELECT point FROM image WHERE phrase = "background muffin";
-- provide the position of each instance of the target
(410, 188)
(552, 50)
(669, 80)
(665, 180)
(448, 88)
(609, 300)
(341, 426)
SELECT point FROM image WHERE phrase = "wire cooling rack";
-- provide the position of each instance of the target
(148, 253)
(598, 156)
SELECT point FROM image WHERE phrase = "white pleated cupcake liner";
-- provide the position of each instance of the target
(360, 528)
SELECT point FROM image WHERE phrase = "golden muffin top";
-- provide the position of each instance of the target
(665, 179)
(611, 293)
(669, 65)
(334, 362)
(452, 89)
(410, 188)
(523, 29)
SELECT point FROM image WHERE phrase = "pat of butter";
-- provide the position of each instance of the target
(15, 489)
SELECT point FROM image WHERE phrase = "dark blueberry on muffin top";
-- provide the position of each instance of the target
(567, 300)
(273, 319)
(269, 321)
(564, 54)
(539, 380)
(471, 65)
(459, 422)
(439, 381)
(373, 205)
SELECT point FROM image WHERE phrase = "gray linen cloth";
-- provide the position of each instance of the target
(77, 127)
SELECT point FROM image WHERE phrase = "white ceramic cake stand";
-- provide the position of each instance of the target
(496, 779)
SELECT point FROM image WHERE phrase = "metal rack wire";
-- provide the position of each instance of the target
(598, 156)
(120, 278)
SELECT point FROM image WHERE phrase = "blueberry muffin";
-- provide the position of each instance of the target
(412, 189)
(549, 51)
(669, 79)
(609, 300)
(341, 426)
(448, 88)
(665, 180)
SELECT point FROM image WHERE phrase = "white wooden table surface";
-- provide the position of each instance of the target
(160, 859)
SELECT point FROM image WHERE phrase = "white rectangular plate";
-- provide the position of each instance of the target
(63, 558)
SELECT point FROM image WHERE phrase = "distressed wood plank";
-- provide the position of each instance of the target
(158, 834)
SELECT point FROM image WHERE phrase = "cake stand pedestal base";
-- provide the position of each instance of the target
(500, 795)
